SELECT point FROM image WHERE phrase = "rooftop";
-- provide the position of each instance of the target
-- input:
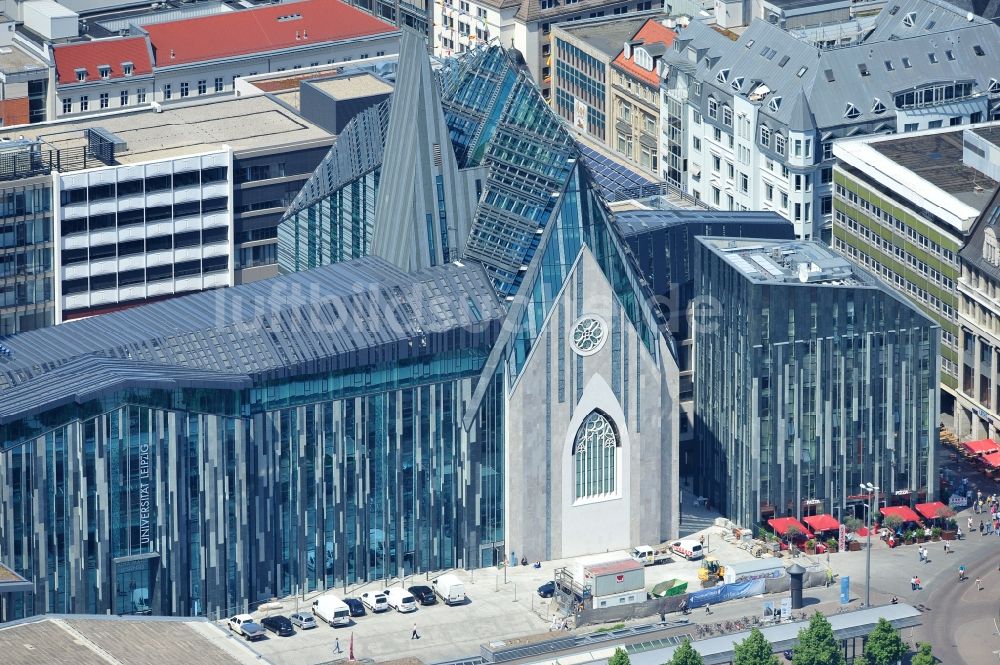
(654, 38)
(350, 86)
(803, 4)
(328, 319)
(636, 222)
(604, 34)
(787, 262)
(14, 60)
(88, 57)
(107, 640)
(259, 30)
(243, 123)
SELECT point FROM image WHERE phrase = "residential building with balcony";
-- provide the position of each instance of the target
(904, 207)
(812, 377)
(765, 109)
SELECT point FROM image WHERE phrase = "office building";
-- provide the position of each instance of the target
(179, 61)
(582, 52)
(904, 208)
(763, 111)
(423, 406)
(812, 377)
(117, 210)
(663, 245)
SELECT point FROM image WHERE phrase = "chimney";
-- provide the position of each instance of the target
(304, 34)
(171, 54)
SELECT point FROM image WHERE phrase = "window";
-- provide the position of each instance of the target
(934, 124)
(140, 95)
(716, 163)
(730, 171)
(768, 191)
(765, 136)
(828, 150)
(737, 83)
(696, 144)
(978, 50)
(81, 75)
(84, 103)
(911, 127)
(722, 76)
(906, 63)
(878, 108)
(826, 205)
(889, 66)
(716, 194)
(123, 97)
(104, 100)
(779, 144)
(202, 87)
(744, 183)
(910, 19)
(184, 89)
(595, 453)
(104, 71)
(218, 84)
(851, 111)
(713, 109)
(933, 58)
(167, 93)
(798, 147)
(826, 175)
(127, 68)
(994, 85)
(784, 201)
(727, 116)
(67, 105)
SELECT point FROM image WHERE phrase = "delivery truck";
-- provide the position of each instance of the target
(332, 610)
(649, 556)
(450, 589)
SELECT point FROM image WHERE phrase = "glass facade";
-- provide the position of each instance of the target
(26, 288)
(805, 390)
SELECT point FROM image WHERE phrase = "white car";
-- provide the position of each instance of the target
(375, 601)
(243, 624)
(400, 600)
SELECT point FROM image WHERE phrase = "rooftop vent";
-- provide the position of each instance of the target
(289, 17)
(863, 68)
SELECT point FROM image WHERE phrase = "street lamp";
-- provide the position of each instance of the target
(872, 492)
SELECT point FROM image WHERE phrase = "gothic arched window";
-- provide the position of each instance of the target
(595, 457)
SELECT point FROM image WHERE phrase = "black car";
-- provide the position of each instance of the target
(547, 590)
(279, 625)
(423, 594)
(357, 607)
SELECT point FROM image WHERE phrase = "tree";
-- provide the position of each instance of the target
(620, 657)
(817, 645)
(754, 650)
(686, 655)
(884, 646)
(861, 659)
(924, 655)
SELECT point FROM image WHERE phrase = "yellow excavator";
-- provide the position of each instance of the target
(711, 572)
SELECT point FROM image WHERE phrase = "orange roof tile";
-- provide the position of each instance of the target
(93, 54)
(259, 30)
(651, 32)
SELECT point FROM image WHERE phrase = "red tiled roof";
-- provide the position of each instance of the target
(93, 54)
(651, 32)
(781, 525)
(259, 30)
(822, 522)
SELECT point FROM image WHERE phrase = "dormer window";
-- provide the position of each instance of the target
(722, 76)
(81, 75)
(104, 71)
(994, 86)
(991, 249)
(737, 83)
(127, 68)
(713, 109)
(933, 58)
(774, 104)
(852, 111)
(910, 19)
(878, 107)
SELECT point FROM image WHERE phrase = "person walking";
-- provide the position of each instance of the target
(961, 573)
(920, 554)
(947, 547)
(979, 584)
(413, 635)
(970, 523)
(336, 646)
(913, 583)
(917, 583)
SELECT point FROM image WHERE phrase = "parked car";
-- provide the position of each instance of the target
(243, 624)
(375, 601)
(423, 594)
(278, 625)
(400, 600)
(547, 590)
(357, 607)
(302, 620)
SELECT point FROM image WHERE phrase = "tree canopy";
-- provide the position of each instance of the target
(924, 655)
(620, 657)
(884, 646)
(686, 655)
(754, 650)
(817, 645)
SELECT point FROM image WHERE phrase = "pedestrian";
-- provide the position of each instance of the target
(979, 584)
(916, 581)
(982, 527)
(947, 547)
(913, 583)
(961, 573)
(708, 608)
(413, 635)
(970, 524)
(920, 554)
(336, 646)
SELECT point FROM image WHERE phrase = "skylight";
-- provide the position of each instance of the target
(737, 83)
(851, 111)
(863, 68)
(978, 50)
(802, 70)
(774, 104)
(906, 63)
(878, 107)
(784, 60)
(889, 66)
(933, 58)
(722, 76)
(910, 19)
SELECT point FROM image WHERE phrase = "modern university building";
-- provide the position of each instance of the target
(468, 366)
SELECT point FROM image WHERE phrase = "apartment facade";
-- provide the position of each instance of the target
(190, 59)
(812, 379)
(905, 219)
(761, 125)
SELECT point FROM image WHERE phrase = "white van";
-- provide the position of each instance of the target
(400, 600)
(689, 549)
(332, 610)
(450, 589)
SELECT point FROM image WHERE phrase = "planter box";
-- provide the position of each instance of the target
(909, 541)
(935, 538)
(854, 546)
(948, 535)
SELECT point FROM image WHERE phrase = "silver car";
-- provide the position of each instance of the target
(303, 620)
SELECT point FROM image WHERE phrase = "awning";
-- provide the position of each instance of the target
(781, 525)
(930, 510)
(695, 170)
(822, 522)
(902, 512)
(982, 446)
(993, 459)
